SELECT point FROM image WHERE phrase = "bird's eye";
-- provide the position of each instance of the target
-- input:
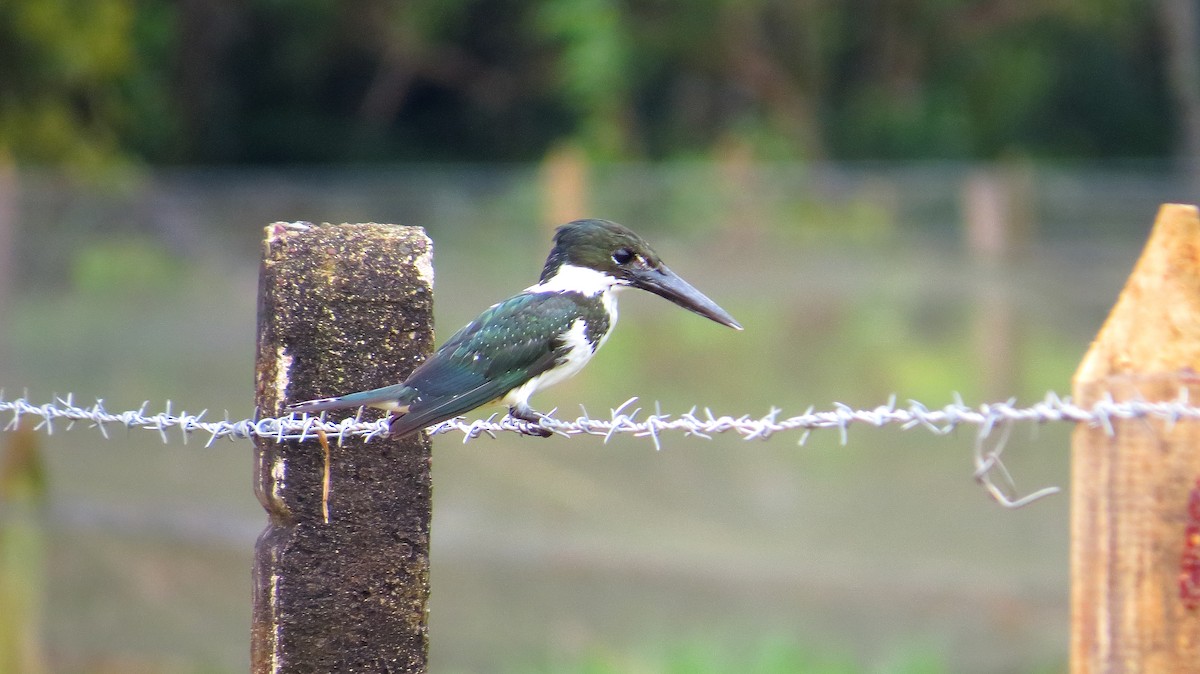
(622, 256)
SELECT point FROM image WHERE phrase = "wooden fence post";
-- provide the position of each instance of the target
(341, 308)
(1130, 491)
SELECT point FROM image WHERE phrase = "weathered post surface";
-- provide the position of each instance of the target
(340, 309)
(1130, 491)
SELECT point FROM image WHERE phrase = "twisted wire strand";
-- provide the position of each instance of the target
(625, 419)
(990, 471)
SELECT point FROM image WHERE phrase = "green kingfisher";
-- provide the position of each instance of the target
(536, 338)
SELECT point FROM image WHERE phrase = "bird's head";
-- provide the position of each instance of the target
(622, 258)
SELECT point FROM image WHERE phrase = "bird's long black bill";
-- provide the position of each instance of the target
(666, 283)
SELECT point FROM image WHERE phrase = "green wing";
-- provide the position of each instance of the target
(506, 346)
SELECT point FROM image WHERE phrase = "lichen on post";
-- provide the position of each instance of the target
(1131, 490)
(340, 309)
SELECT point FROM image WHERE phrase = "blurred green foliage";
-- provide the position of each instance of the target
(768, 656)
(126, 269)
(95, 82)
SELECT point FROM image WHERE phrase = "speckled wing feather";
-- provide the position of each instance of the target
(506, 346)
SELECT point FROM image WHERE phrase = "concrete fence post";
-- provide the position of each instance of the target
(341, 308)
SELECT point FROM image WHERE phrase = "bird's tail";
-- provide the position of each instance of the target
(393, 398)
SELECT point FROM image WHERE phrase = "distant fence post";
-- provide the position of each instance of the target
(996, 212)
(1133, 606)
(9, 196)
(341, 308)
(566, 184)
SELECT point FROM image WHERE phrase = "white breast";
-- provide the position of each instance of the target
(579, 352)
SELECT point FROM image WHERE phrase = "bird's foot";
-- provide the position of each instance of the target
(533, 422)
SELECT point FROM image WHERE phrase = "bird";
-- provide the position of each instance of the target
(534, 339)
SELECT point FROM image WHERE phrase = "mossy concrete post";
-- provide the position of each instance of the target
(340, 309)
(1135, 492)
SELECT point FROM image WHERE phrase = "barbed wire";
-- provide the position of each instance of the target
(627, 419)
(624, 419)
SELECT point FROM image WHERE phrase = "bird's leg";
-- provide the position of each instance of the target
(533, 418)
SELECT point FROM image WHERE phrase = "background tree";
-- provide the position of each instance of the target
(260, 81)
